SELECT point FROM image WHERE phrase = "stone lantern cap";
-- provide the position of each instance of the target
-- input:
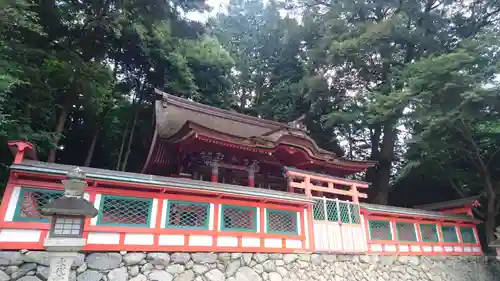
(70, 206)
(72, 202)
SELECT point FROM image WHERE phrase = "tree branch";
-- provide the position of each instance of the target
(492, 156)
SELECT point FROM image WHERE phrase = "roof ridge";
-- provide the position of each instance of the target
(219, 112)
(413, 211)
(449, 203)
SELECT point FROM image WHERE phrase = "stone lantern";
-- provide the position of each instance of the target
(496, 243)
(68, 214)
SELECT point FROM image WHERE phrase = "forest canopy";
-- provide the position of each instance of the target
(410, 84)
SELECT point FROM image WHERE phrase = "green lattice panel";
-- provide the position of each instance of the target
(449, 233)
(468, 234)
(283, 222)
(380, 230)
(355, 218)
(332, 210)
(406, 231)
(429, 233)
(239, 218)
(125, 211)
(345, 215)
(31, 201)
(319, 209)
(191, 215)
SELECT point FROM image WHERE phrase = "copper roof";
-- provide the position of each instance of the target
(449, 204)
(173, 112)
(175, 116)
(410, 212)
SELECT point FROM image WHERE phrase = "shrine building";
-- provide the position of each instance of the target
(218, 181)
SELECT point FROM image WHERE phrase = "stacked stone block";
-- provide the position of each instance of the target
(137, 266)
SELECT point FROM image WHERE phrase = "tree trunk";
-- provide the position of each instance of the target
(259, 88)
(130, 139)
(350, 142)
(122, 146)
(61, 122)
(385, 163)
(124, 139)
(371, 173)
(95, 136)
(491, 210)
(490, 219)
(100, 122)
(132, 129)
(90, 152)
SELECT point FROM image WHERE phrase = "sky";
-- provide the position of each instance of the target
(216, 6)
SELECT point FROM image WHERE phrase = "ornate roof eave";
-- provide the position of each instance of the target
(190, 130)
(169, 121)
(175, 116)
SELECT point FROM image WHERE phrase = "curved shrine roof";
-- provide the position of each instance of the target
(176, 117)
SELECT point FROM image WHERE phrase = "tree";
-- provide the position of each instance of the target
(365, 47)
(455, 110)
(72, 67)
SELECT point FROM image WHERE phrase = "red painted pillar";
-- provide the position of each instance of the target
(354, 190)
(251, 176)
(289, 179)
(307, 186)
(215, 172)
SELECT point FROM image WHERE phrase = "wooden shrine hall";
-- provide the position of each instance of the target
(219, 181)
(207, 143)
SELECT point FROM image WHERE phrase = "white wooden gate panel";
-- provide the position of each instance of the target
(335, 236)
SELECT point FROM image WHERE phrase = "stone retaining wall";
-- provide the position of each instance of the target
(32, 266)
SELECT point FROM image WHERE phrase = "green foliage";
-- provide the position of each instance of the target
(79, 71)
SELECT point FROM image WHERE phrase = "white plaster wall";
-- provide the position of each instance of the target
(227, 241)
(11, 209)
(97, 204)
(404, 248)
(376, 248)
(211, 217)
(154, 210)
(298, 224)
(258, 210)
(171, 240)
(293, 244)
(107, 238)
(448, 249)
(250, 242)
(139, 239)
(164, 213)
(273, 243)
(19, 235)
(390, 248)
(200, 240)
